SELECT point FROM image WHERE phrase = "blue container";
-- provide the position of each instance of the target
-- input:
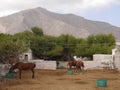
(101, 83)
(70, 72)
(10, 75)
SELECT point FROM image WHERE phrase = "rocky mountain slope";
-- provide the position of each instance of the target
(55, 24)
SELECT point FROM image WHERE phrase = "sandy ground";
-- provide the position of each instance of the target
(60, 80)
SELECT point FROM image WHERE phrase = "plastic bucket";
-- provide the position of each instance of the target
(101, 83)
(10, 75)
(70, 72)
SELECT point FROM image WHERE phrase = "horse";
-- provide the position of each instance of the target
(75, 64)
(79, 65)
(23, 66)
(71, 63)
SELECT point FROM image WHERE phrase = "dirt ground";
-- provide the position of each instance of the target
(60, 80)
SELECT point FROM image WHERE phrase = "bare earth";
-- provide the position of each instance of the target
(60, 80)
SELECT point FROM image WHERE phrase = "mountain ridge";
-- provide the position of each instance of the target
(55, 24)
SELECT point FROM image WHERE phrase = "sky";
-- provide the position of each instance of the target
(97, 10)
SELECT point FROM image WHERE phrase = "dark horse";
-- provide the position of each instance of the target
(23, 66)
(75, 64)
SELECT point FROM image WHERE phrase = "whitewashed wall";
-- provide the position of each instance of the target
(62, 63)
(117, 60)
(88, 64)
(4, 68)
(41, 64)
(95, 64)
(98, 57)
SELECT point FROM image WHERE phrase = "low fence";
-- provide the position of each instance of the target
(88, 64)
(95, 64)
(41, 64)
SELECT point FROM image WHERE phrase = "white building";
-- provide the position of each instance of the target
(27, 56)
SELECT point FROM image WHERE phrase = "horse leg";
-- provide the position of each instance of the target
(20, 71)
(33, 73)
(75, 68)
(81, 69)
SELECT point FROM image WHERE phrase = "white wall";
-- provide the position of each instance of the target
(117, 60)
(95, 64)
(98, 57)
(41, 64)
(88, 64)
(4, 68)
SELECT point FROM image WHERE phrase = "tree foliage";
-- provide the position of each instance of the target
(37, 31)
(10, 49)
(61, 47)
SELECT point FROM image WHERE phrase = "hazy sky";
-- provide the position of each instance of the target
(100, 10)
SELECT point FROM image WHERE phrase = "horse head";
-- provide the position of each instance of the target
(12, 68)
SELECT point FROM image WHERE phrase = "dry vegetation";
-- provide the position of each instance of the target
(60, 80)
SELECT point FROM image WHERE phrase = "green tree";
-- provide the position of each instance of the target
(100, 44)
(81, 47)
(10, 49)
(42, 45)
(68, 42)
(37, 31)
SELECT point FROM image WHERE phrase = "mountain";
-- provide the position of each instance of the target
(55, 24)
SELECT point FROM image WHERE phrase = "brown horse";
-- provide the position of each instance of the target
(71, 64)
(75, 64)
(79, 65)
(23, 66)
